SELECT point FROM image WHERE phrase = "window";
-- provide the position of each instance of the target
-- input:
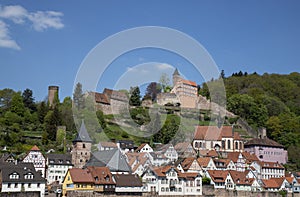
(223, 144)
(8, 185)
(83, 145)
(236, 145)
(228, 144)
(38, 185)
(29, 185)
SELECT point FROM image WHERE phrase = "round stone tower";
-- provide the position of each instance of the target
(52, 93)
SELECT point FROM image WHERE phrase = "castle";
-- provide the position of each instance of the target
(184, 93)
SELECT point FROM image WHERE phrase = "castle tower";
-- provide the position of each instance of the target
(81, 150)
(176, 77)
(52, 93)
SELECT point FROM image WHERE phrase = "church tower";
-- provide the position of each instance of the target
(82, 145)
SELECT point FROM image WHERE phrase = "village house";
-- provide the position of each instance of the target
(169, 152)
(219, 179)
(125, 146)
(21, 178)
(244, 181)
(36, 157)
(103, 180)
(158, 159)
(57, 167)
(219, 139)
(144, 148)
(224, 164)
(274, 184)
(242, 160)
(206, 163)
(128, 184)
(138, 161)
(106, 146)
(168, 180)
(79, 180)
(190, 164)
(267, 150)
(185, 149)
(267, 170)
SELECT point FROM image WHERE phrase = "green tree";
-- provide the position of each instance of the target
(164, 81)
(135, 97)
(17, 105)
(67, 114)
(42, 110)
(78, 97)
(152, 90)
(28, 100)
(5, 98)
(52, 120)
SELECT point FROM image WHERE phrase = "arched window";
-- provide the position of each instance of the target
(228, 144)
(83, 145)
(196, 145)
(236, 145)
(200, 144)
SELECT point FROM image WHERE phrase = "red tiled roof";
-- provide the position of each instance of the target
(101, 175)
(240, 178)
(81, 175)
(214, 133)
(35, 148)
(203, 161)
(218, 175)
(188, 82)
(273, 182)
(265, 164)
(212, 153)
(187, 162)
(140, 147)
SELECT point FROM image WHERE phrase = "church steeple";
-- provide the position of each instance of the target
(83, 135)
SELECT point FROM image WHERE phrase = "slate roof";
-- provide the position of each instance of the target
(21, 169)
(263, 142)
(113, 159)
(176, 72)
(83, 135)
(127, 180)
(59, 159)
(126, 144)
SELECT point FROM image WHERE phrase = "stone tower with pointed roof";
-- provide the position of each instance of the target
(176, 77)
(81, 151)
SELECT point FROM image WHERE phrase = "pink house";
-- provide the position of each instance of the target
(267, 150)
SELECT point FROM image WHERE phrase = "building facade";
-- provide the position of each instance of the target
(36, 157)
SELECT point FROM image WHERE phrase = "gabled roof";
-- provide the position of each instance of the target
(182, 147)
(79, 175)
(224, 162)
(187, 162)
(263, 142)
(140, 158)
(215, 133)
(83, 135)
(128, 180)
(101, 98)
(113, 159)
(203, 161)
(240, 178)
(265, 164)
(21, 169)
(273, 182)
(35, 148)
(59, 159)
(218, 176)
(101, 175)
(141, 146)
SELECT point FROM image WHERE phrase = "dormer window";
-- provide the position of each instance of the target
(14, 176)
(28, 176)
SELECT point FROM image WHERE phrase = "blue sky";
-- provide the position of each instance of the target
(43, 43)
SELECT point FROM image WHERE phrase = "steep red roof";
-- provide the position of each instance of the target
(81, 175)
(273, 182)
(240, 178)
(218, 176)
(35, 148)
(101, 175)
(203, 161)
(215, 133)
(140, 147)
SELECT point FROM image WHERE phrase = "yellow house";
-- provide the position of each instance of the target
(76, 179)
